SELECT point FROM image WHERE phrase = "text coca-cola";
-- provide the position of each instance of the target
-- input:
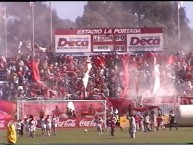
(67, 123)
(87, 123)
(2, 123)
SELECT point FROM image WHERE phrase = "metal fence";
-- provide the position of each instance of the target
(165, 107)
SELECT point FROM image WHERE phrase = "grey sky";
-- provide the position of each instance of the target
(189, 11)
(71, 10)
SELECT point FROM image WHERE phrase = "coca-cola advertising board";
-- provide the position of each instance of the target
(4, 123)
(77, 122)
(7, 111)
(99, 40)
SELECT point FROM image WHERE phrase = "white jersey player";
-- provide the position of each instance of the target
(132, 126)
(26, 124)
(48, 121)
(55, 121)
(19, 127)
(99, 124)
(32, 126)
(43, 125)
(153, 121)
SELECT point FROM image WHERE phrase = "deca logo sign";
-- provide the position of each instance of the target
(73, 42)
(144, 41)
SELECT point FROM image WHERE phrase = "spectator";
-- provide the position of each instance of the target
(91, 110)
(42, 112)
(63, 75)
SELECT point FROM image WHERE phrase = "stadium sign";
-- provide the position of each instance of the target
(72, 43)
(145, 42)
(99, 40)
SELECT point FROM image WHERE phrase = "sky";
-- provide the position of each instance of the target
(72, 9)
(69, 10)
(189, 11)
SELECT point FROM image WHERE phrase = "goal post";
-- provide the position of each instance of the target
(84, 109)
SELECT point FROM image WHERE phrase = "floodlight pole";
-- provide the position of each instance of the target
(51, 26)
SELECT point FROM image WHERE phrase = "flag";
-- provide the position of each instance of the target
(35, 70)
(3, 58)
(99, 61)
(20, 44)
(170, 59)
(28, 45)
(3, 61)
(39, 48)
(125, 82)
(137, 83)
(156, 77)
(86, 75)
(4, 12)
(31, 4)
(42, 49)
(180, 3)
(70, 105)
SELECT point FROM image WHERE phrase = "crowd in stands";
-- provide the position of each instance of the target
(111, 74)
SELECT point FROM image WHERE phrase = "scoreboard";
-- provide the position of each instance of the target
(109, 43)
(99, 40)
(120, 43)
(102, 43)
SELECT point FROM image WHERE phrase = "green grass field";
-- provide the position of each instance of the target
(182, 135)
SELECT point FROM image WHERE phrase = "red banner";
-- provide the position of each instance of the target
(79, 122)
(81, 108)
(7, 107)
(35, 71)
(4, 123)
(7, 111)
(108, 31)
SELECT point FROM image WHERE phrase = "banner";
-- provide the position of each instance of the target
(72, 43)
(108, 40)
(35, 70)
(7, 107)
(7, 111)
(145, 42)
(4, 123)
(78, 122)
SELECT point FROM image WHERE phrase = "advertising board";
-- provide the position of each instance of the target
(108, 40)
(145, 42)
(72, 43)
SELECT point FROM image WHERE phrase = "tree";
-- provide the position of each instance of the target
(19, 24)
(138, 13)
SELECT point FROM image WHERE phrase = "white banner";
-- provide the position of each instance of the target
(103, 48)
(145, 42)
(72, 43)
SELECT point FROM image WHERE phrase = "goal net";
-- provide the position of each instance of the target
(85, 111)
